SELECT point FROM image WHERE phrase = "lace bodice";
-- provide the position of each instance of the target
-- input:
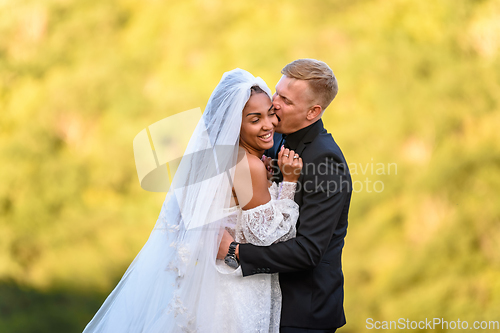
(269, 223)
(256, 299)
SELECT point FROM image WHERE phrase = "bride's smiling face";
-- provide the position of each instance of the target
(258, 123)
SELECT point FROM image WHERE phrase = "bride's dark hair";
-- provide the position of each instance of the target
(256, 90)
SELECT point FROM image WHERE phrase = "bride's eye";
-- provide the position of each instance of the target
(255, 121)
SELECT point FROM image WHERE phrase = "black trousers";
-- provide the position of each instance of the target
(303, 330)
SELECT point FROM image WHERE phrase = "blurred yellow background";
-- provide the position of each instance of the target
(417, 117)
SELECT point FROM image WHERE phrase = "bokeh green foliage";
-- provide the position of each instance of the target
(419, 88)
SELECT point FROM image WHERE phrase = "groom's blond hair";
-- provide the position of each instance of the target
(320, 77)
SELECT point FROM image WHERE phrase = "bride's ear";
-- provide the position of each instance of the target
(314, 112)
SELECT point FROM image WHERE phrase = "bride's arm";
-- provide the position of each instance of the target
(250, 182)
(269, 223)
(266, 220)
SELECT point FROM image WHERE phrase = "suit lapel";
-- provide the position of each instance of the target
(300, 148)
(315, 130)
(308, 137)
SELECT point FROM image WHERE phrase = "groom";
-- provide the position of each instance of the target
(310, 268)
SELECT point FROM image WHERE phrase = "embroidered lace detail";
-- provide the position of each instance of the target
(272, 222)
(287, 190)
(256, 299)
(274, 191)
(186, 322)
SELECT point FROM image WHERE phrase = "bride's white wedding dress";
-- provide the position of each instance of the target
(253, 303)
(175, 283)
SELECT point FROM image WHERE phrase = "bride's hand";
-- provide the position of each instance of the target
(290, 165)
(224, 244)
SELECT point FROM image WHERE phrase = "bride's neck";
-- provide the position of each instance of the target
(251, 150)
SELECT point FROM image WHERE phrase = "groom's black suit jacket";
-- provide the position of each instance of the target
(310, 268)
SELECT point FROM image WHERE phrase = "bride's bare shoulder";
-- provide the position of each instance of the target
(255, 164)
(250, 182)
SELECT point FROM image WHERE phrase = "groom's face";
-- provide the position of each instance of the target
(291, 102)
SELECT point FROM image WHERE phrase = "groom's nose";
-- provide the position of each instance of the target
(276, 105)
(275, 101)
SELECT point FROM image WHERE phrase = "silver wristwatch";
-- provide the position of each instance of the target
(230, 258)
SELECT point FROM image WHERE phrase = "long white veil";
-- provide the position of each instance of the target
(170, 286)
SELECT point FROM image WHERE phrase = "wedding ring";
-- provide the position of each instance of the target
(295, 157)
(285, 155)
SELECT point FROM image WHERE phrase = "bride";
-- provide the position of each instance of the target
(175, 284)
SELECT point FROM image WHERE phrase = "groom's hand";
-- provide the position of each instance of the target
(227, 239)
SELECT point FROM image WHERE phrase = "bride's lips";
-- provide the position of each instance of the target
(267, 137)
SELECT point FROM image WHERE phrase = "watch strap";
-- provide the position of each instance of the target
(232, 249)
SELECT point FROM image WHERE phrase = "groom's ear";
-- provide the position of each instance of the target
(314, 112)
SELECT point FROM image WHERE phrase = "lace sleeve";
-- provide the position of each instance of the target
(287, 190)
(272, 222)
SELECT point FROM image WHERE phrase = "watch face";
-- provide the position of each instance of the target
(231, 262)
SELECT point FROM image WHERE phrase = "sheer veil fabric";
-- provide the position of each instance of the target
(171, 284)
